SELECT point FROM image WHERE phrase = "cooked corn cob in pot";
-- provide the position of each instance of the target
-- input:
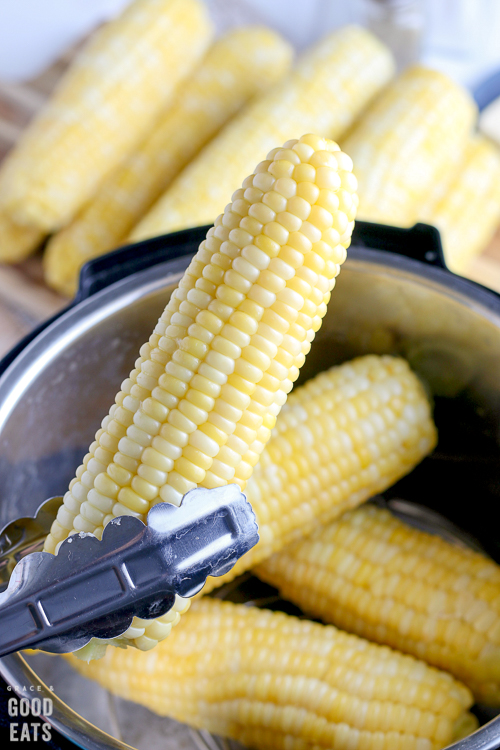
(341, 438)
(328, 89)
(273, 681)
(374, 575)
(242, 63)
(108, 100)
(413, 134)
(199, 406)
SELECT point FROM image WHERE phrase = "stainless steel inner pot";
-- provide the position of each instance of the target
(54, 393)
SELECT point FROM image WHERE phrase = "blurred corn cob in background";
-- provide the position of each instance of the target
(374, 575)
(415, 132)
(467, 209)
(200, 405)
(275, 682)
(239, 65)
(104, 105)
(328, 89)
(345, 435)
(17, 241)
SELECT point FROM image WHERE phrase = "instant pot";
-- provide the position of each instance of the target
(394, 295)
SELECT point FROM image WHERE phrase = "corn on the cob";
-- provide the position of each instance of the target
(414, 133)
(274, 681)
(375, 576)
(468, 213)
(16, 241)
(344, 436)
(105, 104)
(325, 93)
(239, 65)
(199, 407)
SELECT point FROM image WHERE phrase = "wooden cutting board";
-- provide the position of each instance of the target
(25, 300)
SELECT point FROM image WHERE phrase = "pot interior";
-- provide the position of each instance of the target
(54, 395)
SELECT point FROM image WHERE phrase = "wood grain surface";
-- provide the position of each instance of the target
(25, 300)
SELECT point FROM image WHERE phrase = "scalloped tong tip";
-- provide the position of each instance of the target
(93, 589)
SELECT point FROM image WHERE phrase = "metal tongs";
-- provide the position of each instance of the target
(93, 589)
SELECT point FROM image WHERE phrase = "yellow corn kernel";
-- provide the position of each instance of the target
(272, 681)
(175, 372)
(467, 208)
(105, 104)
(240, 64)
(375, 576)
(16, 241)
(341, 438)
(414, 133)
(325, 93)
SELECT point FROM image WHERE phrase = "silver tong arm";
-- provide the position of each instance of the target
(93, 589)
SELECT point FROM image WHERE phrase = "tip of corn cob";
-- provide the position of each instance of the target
(260, 50)
(17, 241)
(374, 575)
(411, 135)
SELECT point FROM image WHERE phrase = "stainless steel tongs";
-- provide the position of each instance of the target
(93, 589)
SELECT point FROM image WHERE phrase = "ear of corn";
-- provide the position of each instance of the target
(412, 135)
(344, 436)
(239, 65)
(200, 404)
(16, 241)
(104, 105)
(375, 576)
(467, 209)
(325, 93)
(275, 682)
